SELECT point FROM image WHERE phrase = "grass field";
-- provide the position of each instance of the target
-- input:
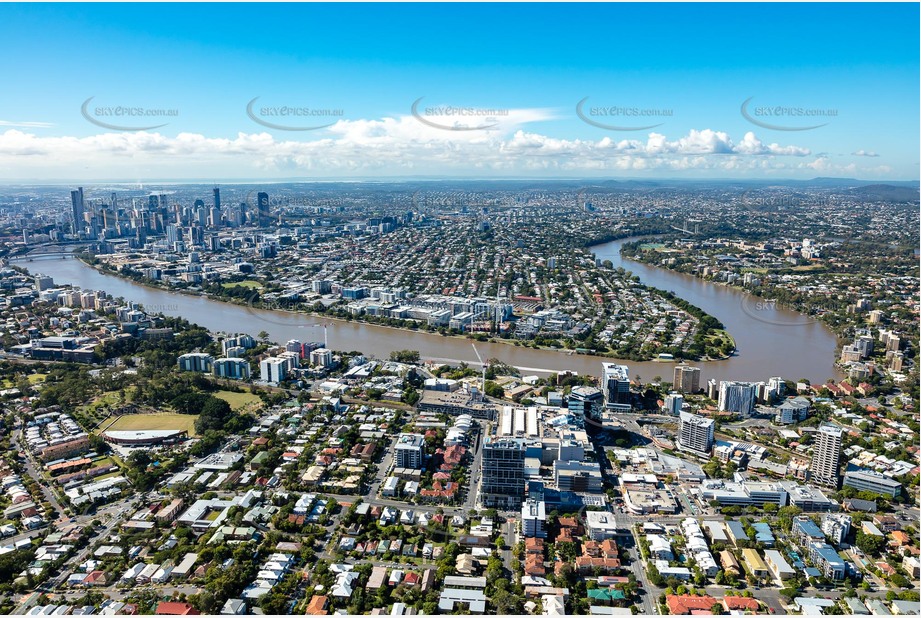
(33, 378)
(130, 422)
(243, 284)
(718, 337)
(238, 401)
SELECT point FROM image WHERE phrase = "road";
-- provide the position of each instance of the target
(650, 593)
(473, 479)
(119, 594)
(33, 469)
(25, 535)
(110, 522)
(508, 531)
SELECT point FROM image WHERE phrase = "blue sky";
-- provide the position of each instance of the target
(520, 70)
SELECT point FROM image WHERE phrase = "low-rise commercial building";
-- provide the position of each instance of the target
(869, 480)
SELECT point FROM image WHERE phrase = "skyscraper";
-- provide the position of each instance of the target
(76, 204)
(826, 456)
(217, 198)
(686, 379)
(615, 384)
(737, 397)
(262, 205)
(695, 433)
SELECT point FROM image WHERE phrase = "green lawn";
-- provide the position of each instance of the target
(243, 284)
(105, 461)
(238, 401)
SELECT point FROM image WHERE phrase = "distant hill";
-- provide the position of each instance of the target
(887, 192)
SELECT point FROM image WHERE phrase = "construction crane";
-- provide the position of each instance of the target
(483, 380)
(325, 334)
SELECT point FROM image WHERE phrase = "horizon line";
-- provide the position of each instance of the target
(403, 179)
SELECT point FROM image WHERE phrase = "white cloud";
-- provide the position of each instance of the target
(864, 153)
(26, 124)
(397, 146)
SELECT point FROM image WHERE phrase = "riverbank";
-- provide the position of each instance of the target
(766, 298)
(763, 349)
(517, 343)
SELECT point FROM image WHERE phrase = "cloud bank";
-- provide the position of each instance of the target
(403, 146)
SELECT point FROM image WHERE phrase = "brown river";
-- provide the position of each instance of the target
(770, 340)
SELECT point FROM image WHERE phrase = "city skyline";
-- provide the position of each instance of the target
(543, 98)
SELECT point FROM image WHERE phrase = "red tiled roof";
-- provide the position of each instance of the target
(173, 608)
(685, 603)
(743, 603)
(317, 606)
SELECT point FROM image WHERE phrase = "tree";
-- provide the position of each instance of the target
(494, 390)
(504, 602)
(870, 543)
(214, 414)
(139, 459)
(405, 356)
(789, 593)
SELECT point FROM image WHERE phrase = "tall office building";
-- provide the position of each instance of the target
(686, 379)
(695, 433)
(214, 217)
(217, 198)
(737, 397)
(615, 384)
(585, 402)
(826, 456)
(674, 403)
(262, 207)
(408, 451)
(77, 210)
(172, 234)
(503, 472)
